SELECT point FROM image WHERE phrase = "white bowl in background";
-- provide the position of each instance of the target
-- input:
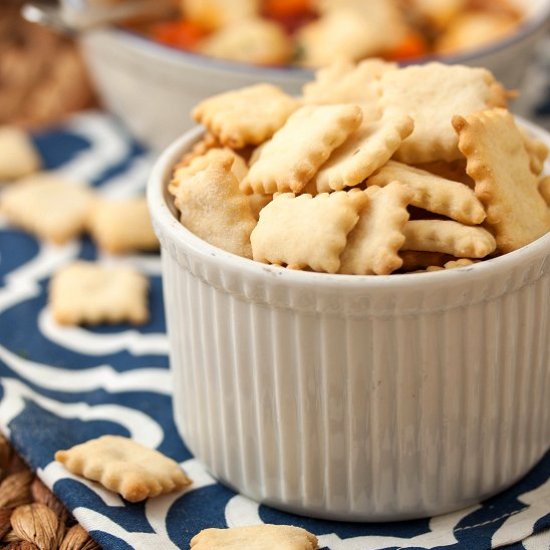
(153, 87)
(356, 397)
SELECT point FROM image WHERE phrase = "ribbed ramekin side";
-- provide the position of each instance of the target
(360, 416)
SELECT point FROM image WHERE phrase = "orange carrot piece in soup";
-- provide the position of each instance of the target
(179, 34)
(286, 8)
(413, 45)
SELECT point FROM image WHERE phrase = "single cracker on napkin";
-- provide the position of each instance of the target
(125, 467)
(501, 168)
(432, 94)
(248, 116)
(433, 193)
(49, 206)
(90, 293)
(214, 208)
(373, 245)
(255, 537)
(122, 226)
(448, 237)
(18, 156)
(304, 231)
(366, 150)
(301, 146)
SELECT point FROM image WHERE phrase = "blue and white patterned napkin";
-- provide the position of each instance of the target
(62, 386)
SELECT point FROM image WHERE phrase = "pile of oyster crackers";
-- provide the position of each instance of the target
(374, 170)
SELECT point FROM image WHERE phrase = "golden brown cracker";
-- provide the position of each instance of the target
(48, 205)
(544, 189)
(500, 165)
(248, 116)
(344, 82)
(454, 170)
(201, 147)
(201, 162)
(537, 151)
(89, 293)
(18, 155)
(125, 467)
(431, 95)
(301, 146)
(304, 231)
(412, 259)
(366, 150)
(373, 245)
(213, 207)
(255, 537)
(257, 202)
(433, 193)
(122, 226)
(448, 237)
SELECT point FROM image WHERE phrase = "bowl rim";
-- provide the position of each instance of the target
(169, 227)
(528, 26)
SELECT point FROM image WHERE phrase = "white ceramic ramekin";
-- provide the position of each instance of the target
(353, 397)
(152, 87)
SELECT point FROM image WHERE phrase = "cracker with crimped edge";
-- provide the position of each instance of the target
(301, 146)
(18, 155)
(454, 170)
(304, 231)
(373, 245)
(413, 259)
(448, 237)
(257, 202)
(344, 82)
(213, 207)
(48, 205)
(453, 264)
(366, 150)
(201, 147)
(201, 162)
(537, 151)
(255, 537)
(544, 189)
(91, 293)
(125, 467)
(441, 196)
(500, 165)
(248, 116)
(432, 94)
(119, 226)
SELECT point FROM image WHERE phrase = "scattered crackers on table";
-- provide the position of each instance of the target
(18, 156)
(57, 210)
(90, 293)
(48, 205)
(374, 170)
(255, 537)
(120, 226)
(125, 467)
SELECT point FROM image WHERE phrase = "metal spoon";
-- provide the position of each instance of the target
(74, 16)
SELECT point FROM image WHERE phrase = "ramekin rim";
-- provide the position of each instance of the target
(163, 219)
